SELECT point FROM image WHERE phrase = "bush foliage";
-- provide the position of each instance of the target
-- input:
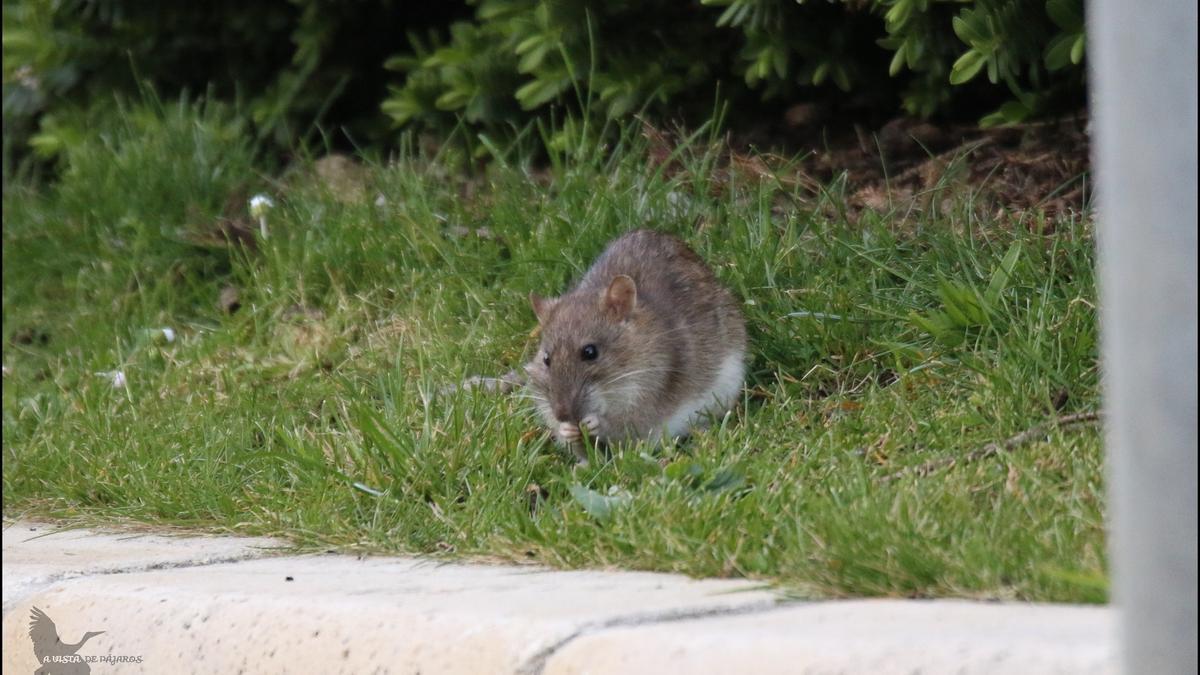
(305, 65)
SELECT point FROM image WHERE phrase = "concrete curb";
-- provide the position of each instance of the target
(858, 636)
(334, 613)
(37, 555)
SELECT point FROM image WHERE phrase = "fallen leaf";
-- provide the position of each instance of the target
(597, 505)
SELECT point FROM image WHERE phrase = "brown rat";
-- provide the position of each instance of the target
(646, 346)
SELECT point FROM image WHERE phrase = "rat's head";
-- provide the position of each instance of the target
(597, 360)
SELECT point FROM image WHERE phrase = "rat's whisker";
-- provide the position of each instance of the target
(639, 371)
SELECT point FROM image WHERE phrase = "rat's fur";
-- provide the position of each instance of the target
(671, 342)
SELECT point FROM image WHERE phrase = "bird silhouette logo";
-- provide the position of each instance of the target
(55, 656)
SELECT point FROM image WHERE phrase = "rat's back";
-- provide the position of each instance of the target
(672, 280)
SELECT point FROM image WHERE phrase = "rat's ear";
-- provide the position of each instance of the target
(620, 298)
(542, 306)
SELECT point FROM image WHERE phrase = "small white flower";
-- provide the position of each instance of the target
(160, 336)
(380, 200)
(116, 377)
(259, 205)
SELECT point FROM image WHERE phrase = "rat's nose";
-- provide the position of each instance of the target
(562, 412)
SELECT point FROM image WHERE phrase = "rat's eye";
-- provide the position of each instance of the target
(546, 359)
(589, 353)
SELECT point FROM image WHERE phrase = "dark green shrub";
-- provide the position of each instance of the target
(303, 67)
(293, 66)
(521, 55)
(627, 55)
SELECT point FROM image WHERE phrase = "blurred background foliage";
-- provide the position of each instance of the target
(354, 73)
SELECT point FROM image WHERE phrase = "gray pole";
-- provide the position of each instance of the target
(1143, 77)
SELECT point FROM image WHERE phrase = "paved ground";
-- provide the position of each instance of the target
(220, 605)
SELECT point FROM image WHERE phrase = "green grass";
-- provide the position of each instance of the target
(311, 412)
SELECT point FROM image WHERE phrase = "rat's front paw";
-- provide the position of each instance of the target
(591, 424)
(568, 432)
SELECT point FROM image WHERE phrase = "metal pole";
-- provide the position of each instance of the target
(1142, 57)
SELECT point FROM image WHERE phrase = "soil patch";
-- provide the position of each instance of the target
(1037, 170)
